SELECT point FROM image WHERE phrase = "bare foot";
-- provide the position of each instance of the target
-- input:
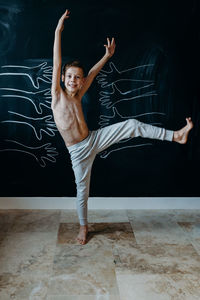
(181, 135)
(82, 236)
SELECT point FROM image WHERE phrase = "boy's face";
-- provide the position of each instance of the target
(73, 79)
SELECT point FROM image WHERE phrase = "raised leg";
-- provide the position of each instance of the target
(109, 135)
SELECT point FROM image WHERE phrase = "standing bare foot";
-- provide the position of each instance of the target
(181, 136)
(82, 236)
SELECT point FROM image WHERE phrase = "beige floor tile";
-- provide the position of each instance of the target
(95, 216)
(99, 233)
(88, 282)
(36, 221)
(23, 287)
(71, 259)
(23, 253)
(157, 259)
(188, 215)
(84, 297)
(8, 215)
(154, 254)
(158, 214)
(68, 216)
(158, 231)
(192, 230)
(83, 270)
(159, 287)
(108, 216)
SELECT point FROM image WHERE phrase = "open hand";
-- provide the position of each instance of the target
(110, 47)
(60, 25)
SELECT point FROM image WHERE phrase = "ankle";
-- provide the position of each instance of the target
(84, 226)
(176, 136)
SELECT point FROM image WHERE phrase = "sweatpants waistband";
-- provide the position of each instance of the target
(82, 143)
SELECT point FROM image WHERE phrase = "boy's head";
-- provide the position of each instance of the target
(73, 76)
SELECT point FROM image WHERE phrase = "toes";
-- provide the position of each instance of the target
(81, 241)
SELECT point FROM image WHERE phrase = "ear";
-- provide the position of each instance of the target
(63, 78)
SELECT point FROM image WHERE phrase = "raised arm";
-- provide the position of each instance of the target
(110, 49)
(57, 58)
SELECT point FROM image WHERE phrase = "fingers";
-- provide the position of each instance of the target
(112, 43)
(65, 15)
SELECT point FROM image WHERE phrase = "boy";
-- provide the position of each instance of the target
(82, 144)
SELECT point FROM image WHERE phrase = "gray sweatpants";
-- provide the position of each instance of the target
(83, 153)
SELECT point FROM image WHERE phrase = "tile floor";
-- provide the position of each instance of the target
(130, 255)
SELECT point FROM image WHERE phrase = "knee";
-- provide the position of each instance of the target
(133, 122)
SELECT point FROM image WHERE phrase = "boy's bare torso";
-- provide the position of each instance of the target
(69, 119)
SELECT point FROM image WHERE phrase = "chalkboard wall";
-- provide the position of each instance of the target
(153, 76)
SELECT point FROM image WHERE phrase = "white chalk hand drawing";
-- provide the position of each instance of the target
(39, 125)
(106, 120)
(40, 153)
(105, 153)
(40, 72)
(143, 89)
(39, 99)
(110, 99)
(107, 78)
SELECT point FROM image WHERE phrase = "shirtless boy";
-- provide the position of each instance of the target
(82, 144)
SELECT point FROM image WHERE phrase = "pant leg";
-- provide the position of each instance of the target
(109, 135)
(82, 173)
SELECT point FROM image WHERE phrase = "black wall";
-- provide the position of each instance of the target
(153, 76)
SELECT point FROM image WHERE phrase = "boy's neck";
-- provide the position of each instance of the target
(71, 94)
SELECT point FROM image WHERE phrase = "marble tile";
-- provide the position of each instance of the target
(99, 233)
(68, 216)
(36, 221)
(2, 237)
(23, 287)
(159, 287)
(89, 282)
(24, 253)
(111, 233)
(36, 288)
(108, 216)
(95, 216)
(158, 231)
(67, 233)
(91, 266)
(188, 215)
(84, 297)
(158, 214)
(78, 258)
(7, 215)
(6, 219)
(5, 227)
(192, 229)
(157, 259)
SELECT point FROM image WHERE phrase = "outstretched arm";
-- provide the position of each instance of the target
(57, 58)
(110, 49)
